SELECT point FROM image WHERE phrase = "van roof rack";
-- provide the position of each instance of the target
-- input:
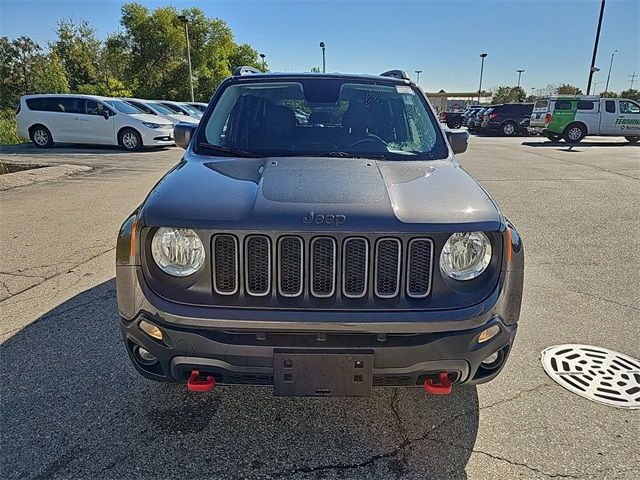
(396, 74)
(245, 70)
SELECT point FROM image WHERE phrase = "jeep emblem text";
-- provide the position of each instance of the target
(320, 218)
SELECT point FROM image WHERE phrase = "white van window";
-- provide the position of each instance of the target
(563, 105)
(629, 107)
(585, 105)
(610, 106)
(540, 104)
(96, 108)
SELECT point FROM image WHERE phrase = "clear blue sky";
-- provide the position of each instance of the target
(551, 39)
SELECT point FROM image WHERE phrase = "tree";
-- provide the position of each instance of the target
(26, 52)
(608, 94)
(78, 49)
(49, 75)
(507, 94)
(631, 94)
(566, 89)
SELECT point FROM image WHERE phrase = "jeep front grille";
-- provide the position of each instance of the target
(307, 267)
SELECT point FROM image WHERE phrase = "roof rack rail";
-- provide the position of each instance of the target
(396, 74)
(245, 70)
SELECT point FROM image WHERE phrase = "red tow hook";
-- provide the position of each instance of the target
(442, 388)
(194, 384)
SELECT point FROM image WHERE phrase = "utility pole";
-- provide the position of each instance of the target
(483, 56)
(418, 72)
(632, 77)
(185, 20)
(519, 75)
(595, 48)
(606, 88)
(262, 56)
(324, 65)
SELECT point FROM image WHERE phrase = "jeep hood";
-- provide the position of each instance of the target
(278, 193)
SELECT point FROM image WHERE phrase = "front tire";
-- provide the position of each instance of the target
(632, 139)
(574, 133)
(509, 129)
(130, 140)
(41, 137)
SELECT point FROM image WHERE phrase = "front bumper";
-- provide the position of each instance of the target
(157, 137)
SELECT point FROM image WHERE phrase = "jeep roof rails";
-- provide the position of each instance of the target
(396, 74)
(245, 70)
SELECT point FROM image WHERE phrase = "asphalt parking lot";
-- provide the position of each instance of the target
(73, 406)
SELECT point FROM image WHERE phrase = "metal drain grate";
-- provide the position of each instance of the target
(596, 373)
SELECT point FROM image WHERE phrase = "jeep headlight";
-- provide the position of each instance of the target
(465, 255)
(177, 251)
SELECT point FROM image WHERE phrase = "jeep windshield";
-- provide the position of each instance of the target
(322, 117)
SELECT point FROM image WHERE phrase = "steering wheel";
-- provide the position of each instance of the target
(371, 138)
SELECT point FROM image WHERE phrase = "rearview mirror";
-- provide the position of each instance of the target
(105, 114)
(182, 133)
(458, 139)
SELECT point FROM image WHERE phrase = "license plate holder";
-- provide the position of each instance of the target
(322, 373)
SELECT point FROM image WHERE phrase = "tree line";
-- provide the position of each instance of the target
(146, 58)
(508, 94)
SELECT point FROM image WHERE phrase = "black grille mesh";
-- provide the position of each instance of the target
(257, 261)
(290, 258)
(323, 263)
(387, 274)
(225, 260)
(355, 267)
(419, 265)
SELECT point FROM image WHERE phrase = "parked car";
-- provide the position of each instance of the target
(88, 119)
(321, 258)
(199, 105)
(475, 120)
(155, 108)
(453, 119)
(508, 119)
(574, 117)
(469, 112)
(182, 108)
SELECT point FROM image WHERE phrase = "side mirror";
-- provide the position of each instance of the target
(182, 133)
(458, 139)
(105, 114)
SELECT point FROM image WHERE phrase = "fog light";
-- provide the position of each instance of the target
(489, 333)
(491, 359)
(145, 356)
(150, 329)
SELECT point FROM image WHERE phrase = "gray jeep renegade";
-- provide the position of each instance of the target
(319, 236)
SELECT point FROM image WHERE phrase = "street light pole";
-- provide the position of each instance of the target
(519, 75)
(262, 56)
(185, 20)
(418, 72)
(595, 48)
(324, 65)
(483, 56)
(606, 88)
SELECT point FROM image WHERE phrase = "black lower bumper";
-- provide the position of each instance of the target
(248, 357)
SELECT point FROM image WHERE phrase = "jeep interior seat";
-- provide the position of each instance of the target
(362, 115)
(279, 124)
(319, 118)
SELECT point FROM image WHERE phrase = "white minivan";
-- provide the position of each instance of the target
(89, 119)
(152, 107)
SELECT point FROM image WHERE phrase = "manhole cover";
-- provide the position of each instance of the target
(596, 373)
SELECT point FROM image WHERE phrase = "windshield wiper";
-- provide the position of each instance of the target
(348, 155)
(230, 151)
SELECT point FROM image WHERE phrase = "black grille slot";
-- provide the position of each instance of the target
(323, 266)
(419, 267)
(290, 267)
(258, 265)
(225, 264)
(355, 267)
(387, 267)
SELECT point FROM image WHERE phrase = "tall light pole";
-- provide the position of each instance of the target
(185, 20)
(418, 72)
(632, 77)
(519, 75)
(595, 48)
(606, 88)
(262, 56)
(324, 65)
(533, 89)
(482, 56)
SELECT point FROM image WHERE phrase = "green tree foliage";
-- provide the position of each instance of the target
(631, 94)
(566, 89)
(608, 94)
(79, 50)
(507, 94)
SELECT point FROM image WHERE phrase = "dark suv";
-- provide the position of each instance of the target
(508, 119)
(321, 255)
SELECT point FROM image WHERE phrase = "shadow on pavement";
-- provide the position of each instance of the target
(549, 143)
(64, 149)
(73, 407)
